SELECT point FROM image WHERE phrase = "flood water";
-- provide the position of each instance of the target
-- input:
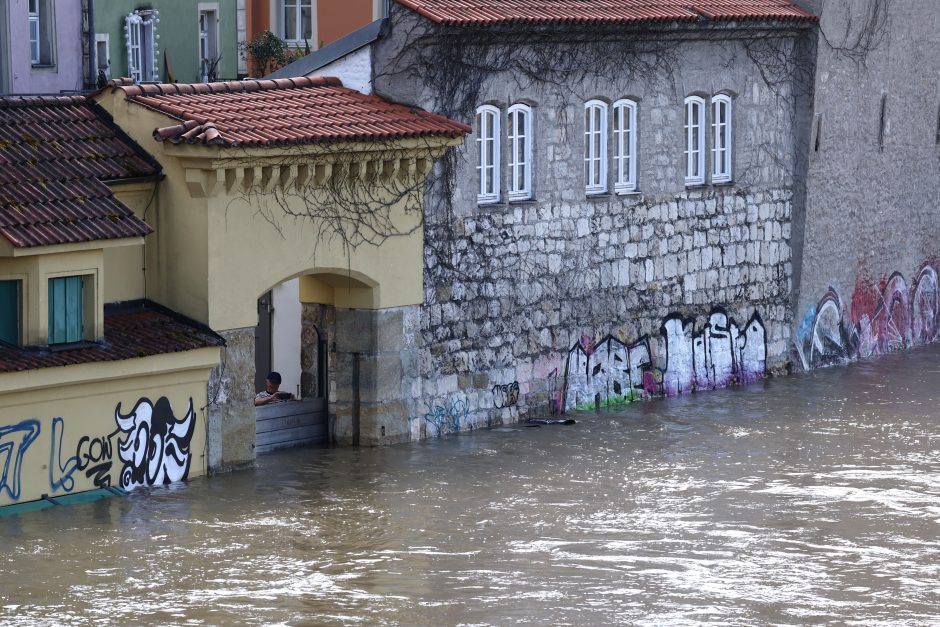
(801, 500)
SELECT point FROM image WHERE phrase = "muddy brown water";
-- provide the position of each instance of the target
(802, 500)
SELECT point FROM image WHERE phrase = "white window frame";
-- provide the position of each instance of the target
(297, 7)
(208, 40)
(487, 120)
(595, 147)
(694, 140)
(625, 146)
(141, 37)
(41, 32)
(722, 146)
(520, 158)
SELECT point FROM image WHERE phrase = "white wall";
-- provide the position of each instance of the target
(355, 70)
(285, 334)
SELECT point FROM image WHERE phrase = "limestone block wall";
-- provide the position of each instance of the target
(231, 423)
(567, 299)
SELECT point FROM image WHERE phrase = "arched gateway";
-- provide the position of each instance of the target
(268, 181)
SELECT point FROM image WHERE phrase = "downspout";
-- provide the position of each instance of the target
(92, 47)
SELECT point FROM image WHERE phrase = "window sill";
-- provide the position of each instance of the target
(67, 346)
(487, 201)
(695, 185)
(599, 196)
(527, 200)
(628, 192)
(43, 66)
(723, 184)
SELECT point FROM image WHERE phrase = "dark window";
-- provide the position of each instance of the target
(10, 312)
(65, 310)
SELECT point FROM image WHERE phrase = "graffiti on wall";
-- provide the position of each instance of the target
(150, 447)
(14, 442)
(156, 449)
(878, 319)
(448, 417)
(506, 395)
(716, 354)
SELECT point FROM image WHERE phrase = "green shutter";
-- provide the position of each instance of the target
(9, 311)
(65, 310)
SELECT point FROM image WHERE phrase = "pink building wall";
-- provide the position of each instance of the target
(17, 74)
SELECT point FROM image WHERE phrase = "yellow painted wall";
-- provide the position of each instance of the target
(125, 265)
(177, 251)
(216, 249)
(62, 429)
(36, 269)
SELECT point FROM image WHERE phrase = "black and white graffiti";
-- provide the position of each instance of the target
(156, 449)
(717, 354)
(506, 395)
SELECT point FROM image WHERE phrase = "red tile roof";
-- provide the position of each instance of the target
(484, 12)
(134, 329)
(283, 111)
(55, 155)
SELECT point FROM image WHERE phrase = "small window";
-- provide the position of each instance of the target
(65, 309)
(520, 152)
(208, 46)
(140, 31)
(298, 20)
(625, 146)
(41, 32)
(488, 147)
(595, 147)
(694, 141)
(10, 312)
(721, 138)
(102, 59)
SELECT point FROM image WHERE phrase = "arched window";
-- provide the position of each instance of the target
(520, 152)
(624, 146)
(721, 139)
(694, 141)
(488, 150)
(595, 147)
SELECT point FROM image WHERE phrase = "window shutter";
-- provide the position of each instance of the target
(65, 310)
(9, 312)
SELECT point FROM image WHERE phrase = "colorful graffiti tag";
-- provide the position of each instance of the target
(718, 354)
(879, 319)
(150, 445)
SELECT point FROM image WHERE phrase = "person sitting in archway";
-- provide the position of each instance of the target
(270, 393)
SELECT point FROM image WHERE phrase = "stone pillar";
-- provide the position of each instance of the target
(374, 375)
(318, 323)
(231, 403)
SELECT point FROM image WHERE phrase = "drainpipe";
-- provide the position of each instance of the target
(92, 48)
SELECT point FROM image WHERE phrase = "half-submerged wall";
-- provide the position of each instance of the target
(569, 299)
(870, 241)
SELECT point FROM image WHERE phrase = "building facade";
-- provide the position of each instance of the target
(41, 46)
(159, 41)
(869, 239)
(620, 224)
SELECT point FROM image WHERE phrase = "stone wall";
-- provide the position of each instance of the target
(231, 402)
(567, 300)
(869, 239)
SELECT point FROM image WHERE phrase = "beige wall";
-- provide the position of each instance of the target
(70, 414)
(34, 271)
(217, 248)
(125, 265)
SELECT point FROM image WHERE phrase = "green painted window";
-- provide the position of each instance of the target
(9, 311)
(65, 310)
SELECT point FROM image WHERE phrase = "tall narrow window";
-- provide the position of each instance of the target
(10, 312)
(625, 146)
(65, 309)
(298, 20)
(140, 33)
(208, 45)
(520, 152)
(595, 147)
(721, 138)
(694, 141)
(488, 148)
(34, 32)
(41, 32)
